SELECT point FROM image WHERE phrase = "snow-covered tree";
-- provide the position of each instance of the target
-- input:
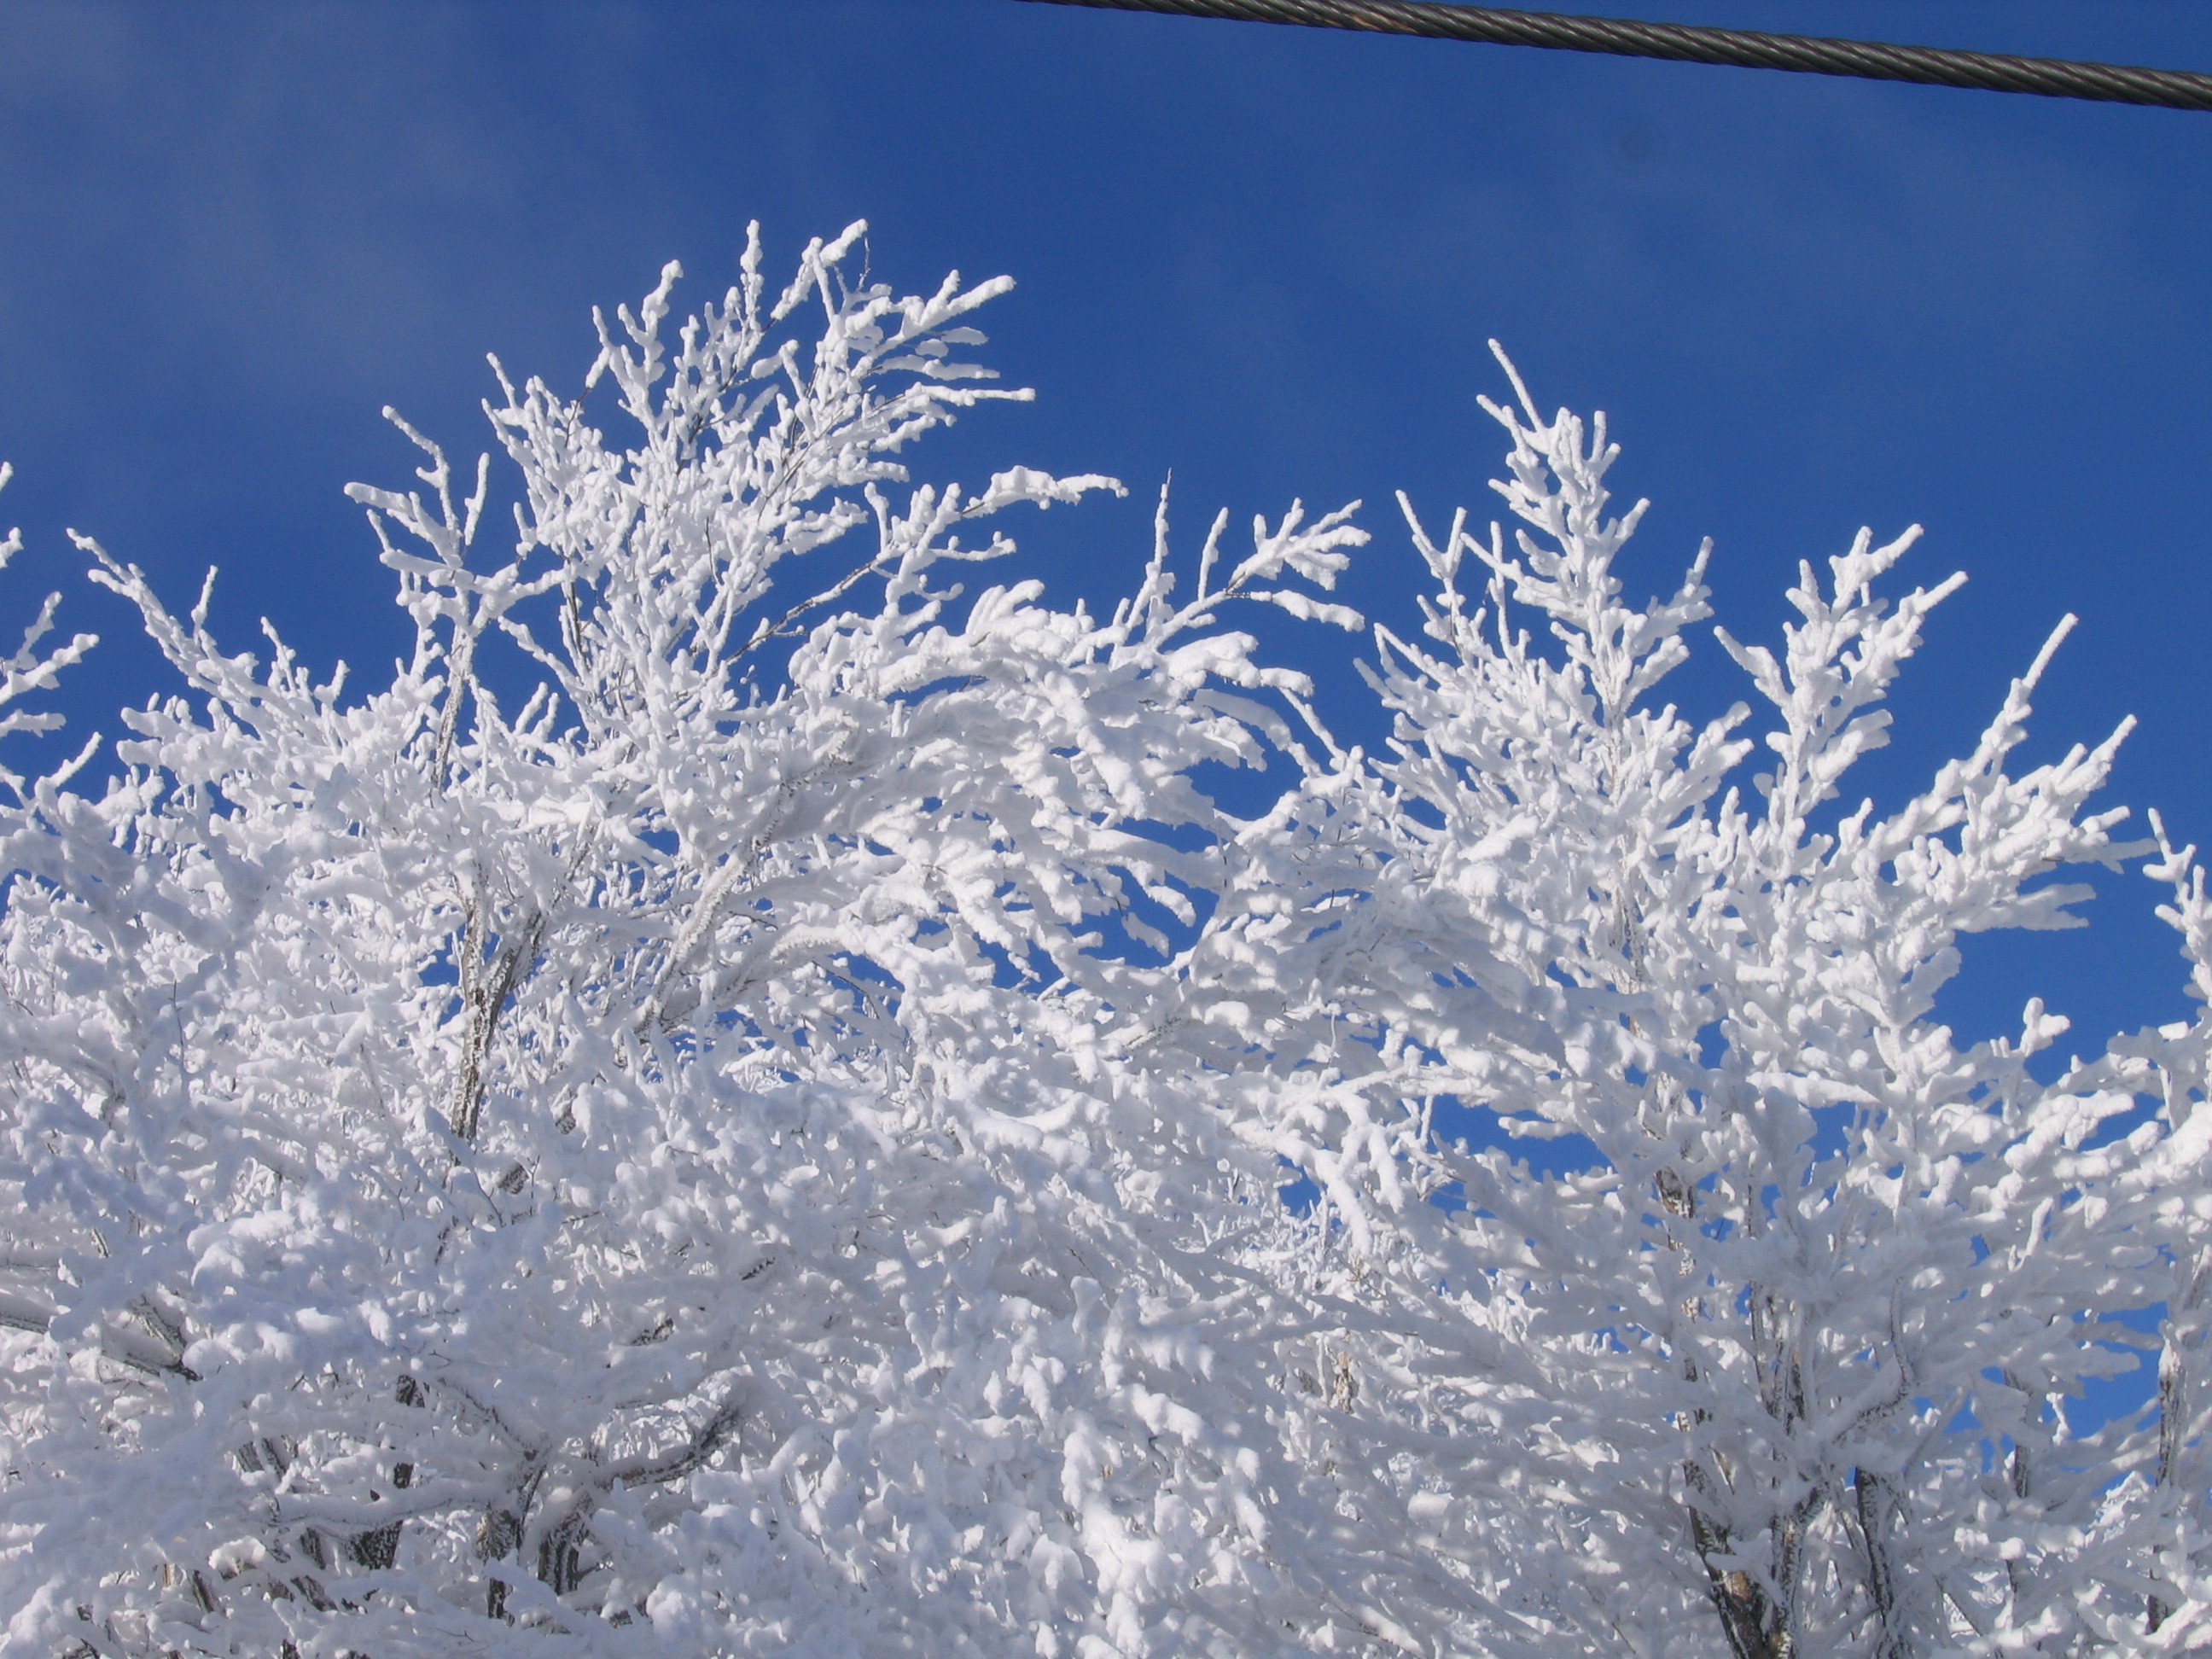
(1780, 1361)
(667, 1165)
(737, 1104)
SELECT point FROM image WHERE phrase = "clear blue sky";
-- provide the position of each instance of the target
(1264, 257)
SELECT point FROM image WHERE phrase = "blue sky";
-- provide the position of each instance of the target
(1266, 258)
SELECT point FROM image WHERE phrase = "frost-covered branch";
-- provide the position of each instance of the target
(742, 1101)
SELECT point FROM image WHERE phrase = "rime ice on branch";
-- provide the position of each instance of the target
(1788, 1367)
(769, 1140)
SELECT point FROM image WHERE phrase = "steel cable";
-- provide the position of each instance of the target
(1874, 60)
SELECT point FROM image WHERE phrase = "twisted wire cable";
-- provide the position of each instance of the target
(1872, 60)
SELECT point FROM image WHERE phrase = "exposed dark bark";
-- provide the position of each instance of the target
(486, 989)
(1878, 1511)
